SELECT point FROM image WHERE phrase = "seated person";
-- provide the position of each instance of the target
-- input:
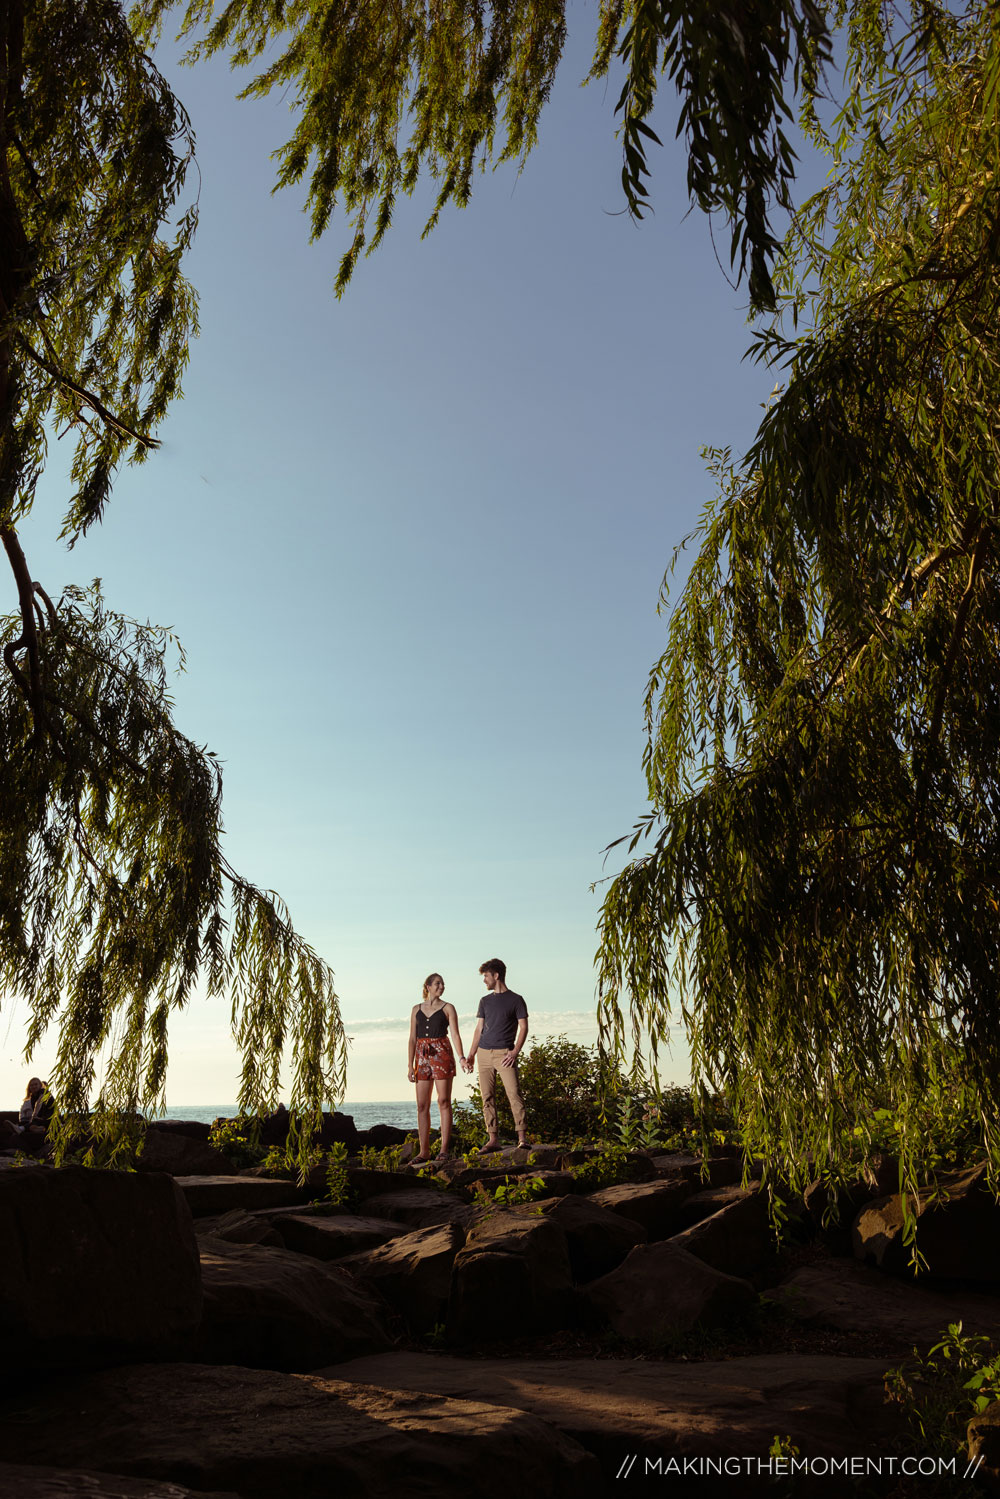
(30, 1099)
(34, 1118)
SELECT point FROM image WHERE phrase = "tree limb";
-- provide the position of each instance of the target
(142, 438)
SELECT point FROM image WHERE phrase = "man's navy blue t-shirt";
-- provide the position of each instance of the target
(500, 1014)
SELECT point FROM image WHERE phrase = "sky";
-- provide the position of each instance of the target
(413, 544)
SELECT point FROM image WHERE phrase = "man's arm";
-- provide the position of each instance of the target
(471, 1053)
(522, 1035)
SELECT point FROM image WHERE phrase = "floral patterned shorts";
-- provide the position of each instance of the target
(433, 1059)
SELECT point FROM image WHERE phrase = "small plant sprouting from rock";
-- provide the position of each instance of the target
(605, 1168)
(512, 1193)
(387, 1159)
(337, 1183)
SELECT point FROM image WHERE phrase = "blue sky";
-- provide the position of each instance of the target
(413, 543)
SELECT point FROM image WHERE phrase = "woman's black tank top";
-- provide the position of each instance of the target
(432, 1026)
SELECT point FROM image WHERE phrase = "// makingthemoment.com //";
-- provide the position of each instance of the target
(634, 1466)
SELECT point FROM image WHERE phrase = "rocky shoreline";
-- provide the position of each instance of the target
(194, 1328)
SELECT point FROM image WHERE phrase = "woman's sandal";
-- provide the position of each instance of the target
(420, 1160)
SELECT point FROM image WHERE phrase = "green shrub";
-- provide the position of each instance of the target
(238, 1139)
(511, 1193)
(942, 1391)
(607, 1168)
(559, 1084)
(386, 1159)
(278, 1163)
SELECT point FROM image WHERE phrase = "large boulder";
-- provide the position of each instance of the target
(329, 1236)
(169, 1150)
(193, 1129)
(722, 1170)
(596, 1238)
(420, 1207)
(239, 1227)
(655, 1206)
(514, 1265)
(98, 1267)
(413, 1273)
(381, 1136)
(365, 1182)
(210, 1195)
(841, 1293)
(737, 1238)
(339, 1129)
(271, 1309)
(268, 1435)
(661, 1293)
(628, 1411)
(958, 1230)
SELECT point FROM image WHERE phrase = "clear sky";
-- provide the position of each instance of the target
(413, 543)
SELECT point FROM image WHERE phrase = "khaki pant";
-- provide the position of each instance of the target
(489, 1068)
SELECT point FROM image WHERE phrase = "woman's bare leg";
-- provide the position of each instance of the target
(444, 1107)
(424, 1086)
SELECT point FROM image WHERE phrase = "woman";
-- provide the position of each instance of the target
(34, 1118)
(32, 1097)
(431, 1062)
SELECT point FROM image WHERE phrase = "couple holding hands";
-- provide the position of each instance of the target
(501, 1029)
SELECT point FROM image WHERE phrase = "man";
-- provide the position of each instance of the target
(501, 1013)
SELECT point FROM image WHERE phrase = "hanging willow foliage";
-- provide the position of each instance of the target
(386, 89)
(114, 893)
(820, 894)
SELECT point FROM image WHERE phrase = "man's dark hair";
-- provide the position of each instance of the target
(497, 966)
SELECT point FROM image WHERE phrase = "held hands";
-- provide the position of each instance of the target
(467, 1064)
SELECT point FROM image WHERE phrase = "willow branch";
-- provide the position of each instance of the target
(142, 438)
(31, 685)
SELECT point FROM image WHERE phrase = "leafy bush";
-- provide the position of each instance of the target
(238, 1140)
(279, 1163)
(559, 1084)
(607, 1168)
(512, 1193)
(386, 1159)
(942, 1391)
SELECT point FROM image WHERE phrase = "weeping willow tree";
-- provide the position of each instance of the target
(816, 888)
(115, 895)
(816, 895)
(114, 891)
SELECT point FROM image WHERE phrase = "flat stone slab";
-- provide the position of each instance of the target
(330, 1238)
(843, 1294)
(266, 1435)
(21, 1481)
(421, 1207)
(830, 1407)
(211, 1195)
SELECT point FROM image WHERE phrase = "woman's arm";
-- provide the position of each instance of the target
(412, 1044)
(453, 1027)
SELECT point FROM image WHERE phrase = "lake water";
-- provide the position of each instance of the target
(402, 1113)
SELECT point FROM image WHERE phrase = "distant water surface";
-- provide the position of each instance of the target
(402, 1114)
